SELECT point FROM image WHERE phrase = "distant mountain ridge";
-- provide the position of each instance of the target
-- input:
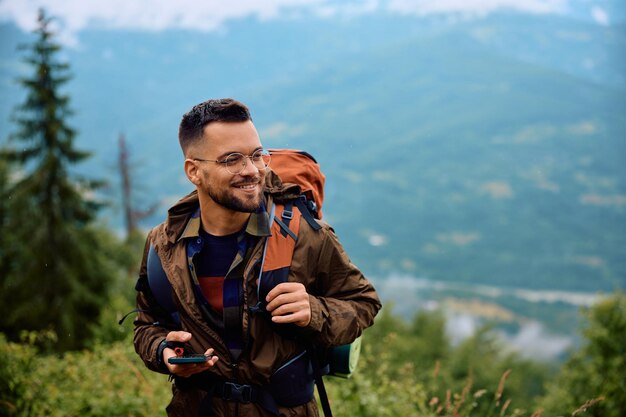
(484, 151)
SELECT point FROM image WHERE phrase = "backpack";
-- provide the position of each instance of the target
(301, 168)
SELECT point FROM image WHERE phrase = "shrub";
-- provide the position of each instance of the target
(108, 380)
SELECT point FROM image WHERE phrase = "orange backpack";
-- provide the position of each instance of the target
(299, 167)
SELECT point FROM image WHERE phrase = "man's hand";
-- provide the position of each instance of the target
(288, 302)
(187, 369)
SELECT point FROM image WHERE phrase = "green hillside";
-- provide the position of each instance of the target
(493, 171)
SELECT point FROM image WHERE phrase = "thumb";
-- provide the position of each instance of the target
(179, 336)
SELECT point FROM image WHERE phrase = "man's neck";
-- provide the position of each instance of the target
(220, 221)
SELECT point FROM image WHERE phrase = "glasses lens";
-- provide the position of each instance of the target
(261, 159)
(234, 163)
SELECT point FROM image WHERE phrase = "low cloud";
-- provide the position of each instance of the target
(532, 340)
(147, 15)
(497, 190)
(477, 7)
(535, 342)
(458, 238)
(281, 131)
(461, 326)
(600, 16)
(157, 15)
(617, 201)
(464, 316)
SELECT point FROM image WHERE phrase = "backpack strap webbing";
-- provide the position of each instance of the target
(301, 203)
(319, 381)
(160, 286)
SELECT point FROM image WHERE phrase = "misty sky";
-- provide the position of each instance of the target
(157, 15)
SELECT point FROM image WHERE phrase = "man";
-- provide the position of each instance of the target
(210, 248)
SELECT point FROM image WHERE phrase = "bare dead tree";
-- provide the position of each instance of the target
(132, 215)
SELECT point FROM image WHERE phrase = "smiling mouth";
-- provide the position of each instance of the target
(247, 186)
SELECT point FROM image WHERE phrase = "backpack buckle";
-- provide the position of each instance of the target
(240, 393)
(258, 308)
(287, 214)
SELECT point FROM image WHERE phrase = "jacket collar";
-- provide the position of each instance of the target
(258, 224)
(183, 219)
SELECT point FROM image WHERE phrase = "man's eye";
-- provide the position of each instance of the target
(233, 159)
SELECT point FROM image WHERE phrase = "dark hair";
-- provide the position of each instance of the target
(219, 110)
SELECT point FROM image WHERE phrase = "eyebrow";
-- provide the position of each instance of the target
(224, 155)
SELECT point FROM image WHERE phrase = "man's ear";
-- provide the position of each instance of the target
(192, 171)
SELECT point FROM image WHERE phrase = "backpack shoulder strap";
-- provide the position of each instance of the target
(159, 284)
(303, 205)
(277, 250)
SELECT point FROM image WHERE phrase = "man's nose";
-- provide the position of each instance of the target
(249, 168)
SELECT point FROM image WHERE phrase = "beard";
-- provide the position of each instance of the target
(228, 199)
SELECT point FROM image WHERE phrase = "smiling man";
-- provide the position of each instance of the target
(255, 357)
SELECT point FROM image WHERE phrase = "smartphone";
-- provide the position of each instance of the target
(195, 358)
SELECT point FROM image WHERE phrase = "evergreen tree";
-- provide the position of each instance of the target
(55, 277)
(5, 236)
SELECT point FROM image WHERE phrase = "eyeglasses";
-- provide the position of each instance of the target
(236, 162)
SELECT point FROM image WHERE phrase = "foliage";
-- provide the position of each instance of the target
(16, 369)
(477, 378)
(122, 302)
(384, 384)
(107, 329)
(108, 380)
(55, 272)
(412, 369)
(593, 380)
(8, 251)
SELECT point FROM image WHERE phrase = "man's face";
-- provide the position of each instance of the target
(241, 192)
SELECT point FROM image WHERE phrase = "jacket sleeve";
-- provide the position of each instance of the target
(343, 301)
(148, 333)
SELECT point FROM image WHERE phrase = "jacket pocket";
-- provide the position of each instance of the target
(293, 383)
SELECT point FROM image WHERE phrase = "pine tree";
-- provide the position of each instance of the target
(5, 237)
(56, 278)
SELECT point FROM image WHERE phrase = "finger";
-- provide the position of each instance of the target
(298, 312)
(287, 317)
(301, 318)
(200, 367)
(211, 362)
(284, 287)
(288, 305)
(282, 299)
(210, 353)
(294, 294)
(187, 369)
